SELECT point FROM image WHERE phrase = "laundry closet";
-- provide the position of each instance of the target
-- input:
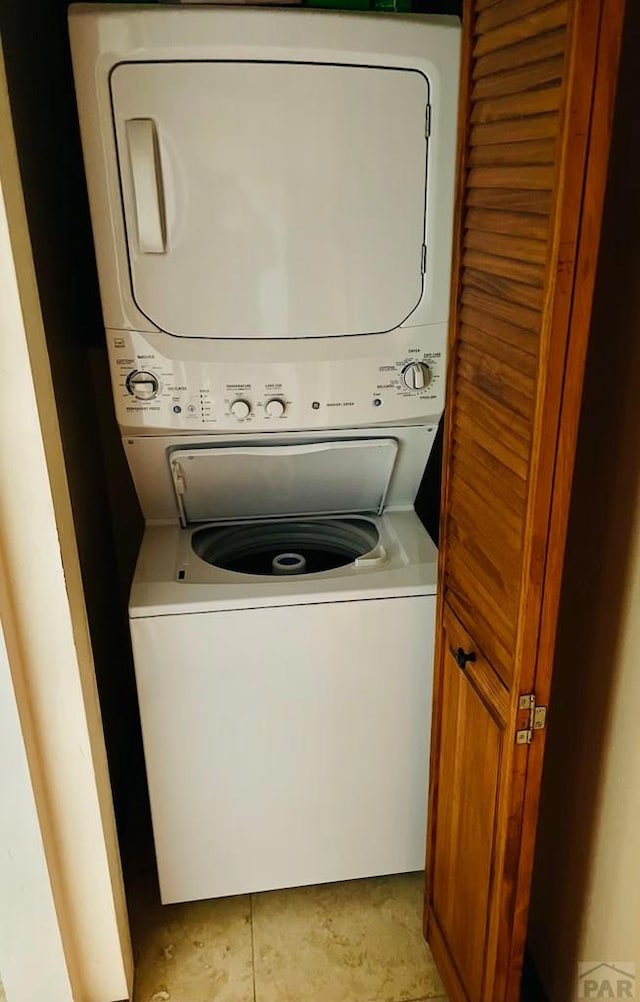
(250, 389)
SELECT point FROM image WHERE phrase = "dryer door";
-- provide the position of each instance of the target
(272, 200)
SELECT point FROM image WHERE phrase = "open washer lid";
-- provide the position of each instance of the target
(318, 478)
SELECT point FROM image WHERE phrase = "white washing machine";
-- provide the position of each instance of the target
(283, 665)
(271, 195)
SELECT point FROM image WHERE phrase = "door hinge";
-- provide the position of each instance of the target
(179, 478)
(423, 259)
(537, 719)
(427, 122)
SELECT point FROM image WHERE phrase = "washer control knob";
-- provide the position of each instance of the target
(274, 407)
(416, 375)
(142, 385)
(240, 409)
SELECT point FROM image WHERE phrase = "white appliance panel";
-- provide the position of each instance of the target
(272, 200)
(266, 480)
(276, 744)
(184, 388)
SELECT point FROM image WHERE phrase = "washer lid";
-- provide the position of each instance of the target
(319, 478)
(272, 200)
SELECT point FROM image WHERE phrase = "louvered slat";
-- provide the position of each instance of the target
(512, 489)
(531, 50)
(499, 308)
(504, 12)
(499, 381)
(500, 330)
(515, 223)
(536, 151)
(503, 350)
(517, 130)
(505, 288)
(534, 25)
(519, 271)
(537, 102)
(514, 81)
(480, 409)
(511, 178)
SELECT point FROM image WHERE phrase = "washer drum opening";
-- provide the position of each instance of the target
(261, 548)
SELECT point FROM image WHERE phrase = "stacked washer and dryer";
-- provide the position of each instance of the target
(271, 195)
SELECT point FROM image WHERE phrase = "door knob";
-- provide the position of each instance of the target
(462, 657)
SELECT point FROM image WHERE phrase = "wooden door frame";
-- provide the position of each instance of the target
(595, 48)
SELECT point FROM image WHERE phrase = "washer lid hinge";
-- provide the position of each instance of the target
(427, 122)
(179, 478)
(537, 718)
(423, 259)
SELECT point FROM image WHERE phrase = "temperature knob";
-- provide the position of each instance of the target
(240, 409)
(274, 407)
(142, 385)
(416, 375)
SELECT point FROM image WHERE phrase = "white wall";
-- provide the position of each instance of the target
(611, 927)
(27, 907)
(49, 648)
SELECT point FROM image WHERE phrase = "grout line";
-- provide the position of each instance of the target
(253, 948)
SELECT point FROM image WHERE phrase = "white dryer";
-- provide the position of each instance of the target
(283, 663)
(271, 196)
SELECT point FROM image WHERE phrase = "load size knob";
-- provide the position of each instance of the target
(416, 375)
(274, 407)
(240, 409)
(142, 385)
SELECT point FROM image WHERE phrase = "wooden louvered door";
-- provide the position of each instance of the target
(538, 80)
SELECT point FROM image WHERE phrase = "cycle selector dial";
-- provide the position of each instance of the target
(416, 375)
(142, 385)
(240, 409)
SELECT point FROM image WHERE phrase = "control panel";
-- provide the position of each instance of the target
(155, 392)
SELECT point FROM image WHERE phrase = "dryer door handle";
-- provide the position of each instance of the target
(148, 194)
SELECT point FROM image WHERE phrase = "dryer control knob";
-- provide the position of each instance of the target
(274, 407)
(142, 385)
(416, 375)
(240, 409)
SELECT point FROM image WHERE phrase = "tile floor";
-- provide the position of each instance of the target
(358, 941)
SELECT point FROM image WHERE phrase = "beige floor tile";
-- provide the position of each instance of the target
(195, 952)
(359, 941)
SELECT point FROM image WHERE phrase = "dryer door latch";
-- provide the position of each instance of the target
(537, 719)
